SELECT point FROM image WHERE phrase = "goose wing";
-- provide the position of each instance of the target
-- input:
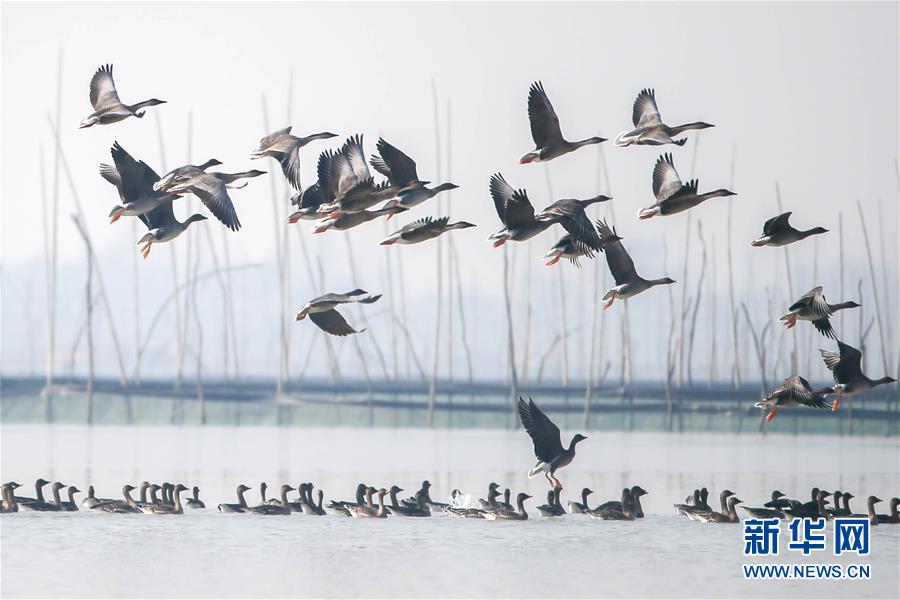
(161, 216)
(814, 302)
(331, 321)
(666, 181)
(644, 113)
(544, 122)
(798, 389)
(502, 194)
(110, 174)
(311, 197)
(544, 434)
(513, 206)
(353, 150)
(269, 142)
(427, 223)
(290, 166)
(103, 89)
(399, 168)
(327, 185)
(136, 177)
(844, 364)
(577, 223)
(777, 224)
(620, 264)
(212, 192)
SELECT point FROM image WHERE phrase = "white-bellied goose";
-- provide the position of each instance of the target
(548, 139)
(570, 214)
(628, 282)
(105, 100)
(400, 171)
(368, 510)
(795, 391)
(548, 446)
(339, 507)
(345, 221)
(553, 508)
(322, 311)
(195, 501)
(241, 505)
(404, 510)
(691, 501)
(504, 514)
(577, 508)
(423, 230)
(649, 130)
(777, 231)
(285, 148)
(128, 505)
(673, 196)
(568, 247)
(308, 506)
(212, 189)
(693, 513)
(176, 508)
(282, 508)
(70, 505)
(516, 213)
(812, 306)
(729, 516)
(91, 501)
(135, 181)
(163, 226)
(845, 366)
(183, 173)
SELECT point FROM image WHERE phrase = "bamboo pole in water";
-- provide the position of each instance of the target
(449, 261)
(391, 308)
(589, 388)
(735, 353)
(885, 280)
(696, 305)
(601, 349)
(510, 342)
(432, 386)
(136, 301)
(713, 359)
(199, 374)
(787, 265)
(526, 358)
(684, 279)
(361, 316)
(759, 343)
(884, 346)
(841, 261)
(809, 330)
(670, 344)
(462, 314)
(54, 253)
(562, 299)
(188, 256)
(89, 307)
(45, 219)
(179, 324)
(409, 353)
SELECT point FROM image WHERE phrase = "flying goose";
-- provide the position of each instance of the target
(349, 220)
(322, 311)
(795, 391)
(778, 232)
(163, 226)
(183, 173)
(322, 192)
(548, 140)
(812, 306)
(135, 182)
(423, 230)
(848, 375)
(515, 212)
(568, 247)
(400, 171)
(351, 183)
(570, 214)
(285, 148)
(212, 189)
(628, 282)
(548, 446)
(673, 196)
(649, 130)
(105, 100)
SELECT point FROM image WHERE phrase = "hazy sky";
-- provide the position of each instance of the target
(804, 94)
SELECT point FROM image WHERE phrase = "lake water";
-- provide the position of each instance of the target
(207, 554)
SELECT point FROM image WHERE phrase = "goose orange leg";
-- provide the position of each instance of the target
(837, 402)
(771, 414)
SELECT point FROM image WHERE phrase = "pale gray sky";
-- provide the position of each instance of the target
(806, 93)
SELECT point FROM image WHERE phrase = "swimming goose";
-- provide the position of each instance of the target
(870, 504)
(580, 507)
(368, 510)
(135, 183)
(649, 130)
(212, 190)
(322, 311)
(492, 495)
(695, 513)
(285, 148)
(90, 501)
(813, 510)
(779, 500)
(848, 375)
(400, 171)
(845, 510)
(516, 213)
(837, 510)
(45, 506)
(432, 505)
(568, 247)
(241, 506)
(282, 508)
(9, 504)
(621, 266)
(163, 226)
(39, 484)
(673, 196)
(183, 173)
(423, 230)
(339, 507)
(778, 232)
(553, 508)
(71, 505)
(812, 306)
(683, 508)
(308, 506)
(352, 184)
(795, 391)
(105, 100)
(127, 505)
(404, 510)
(505, 503)
(350, 220)
(195, 502)
(548, 139)
(548, 447)
(615, 510)
(570, 214)
(730, 516)
(175, 508)
(771, 509)
(504, 514)
(894, 517)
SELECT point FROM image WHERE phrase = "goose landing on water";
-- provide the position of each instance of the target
(548, 139)
(649, 130)
(673, 196)
(105, 100)
(548, 447)
(322, 311)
